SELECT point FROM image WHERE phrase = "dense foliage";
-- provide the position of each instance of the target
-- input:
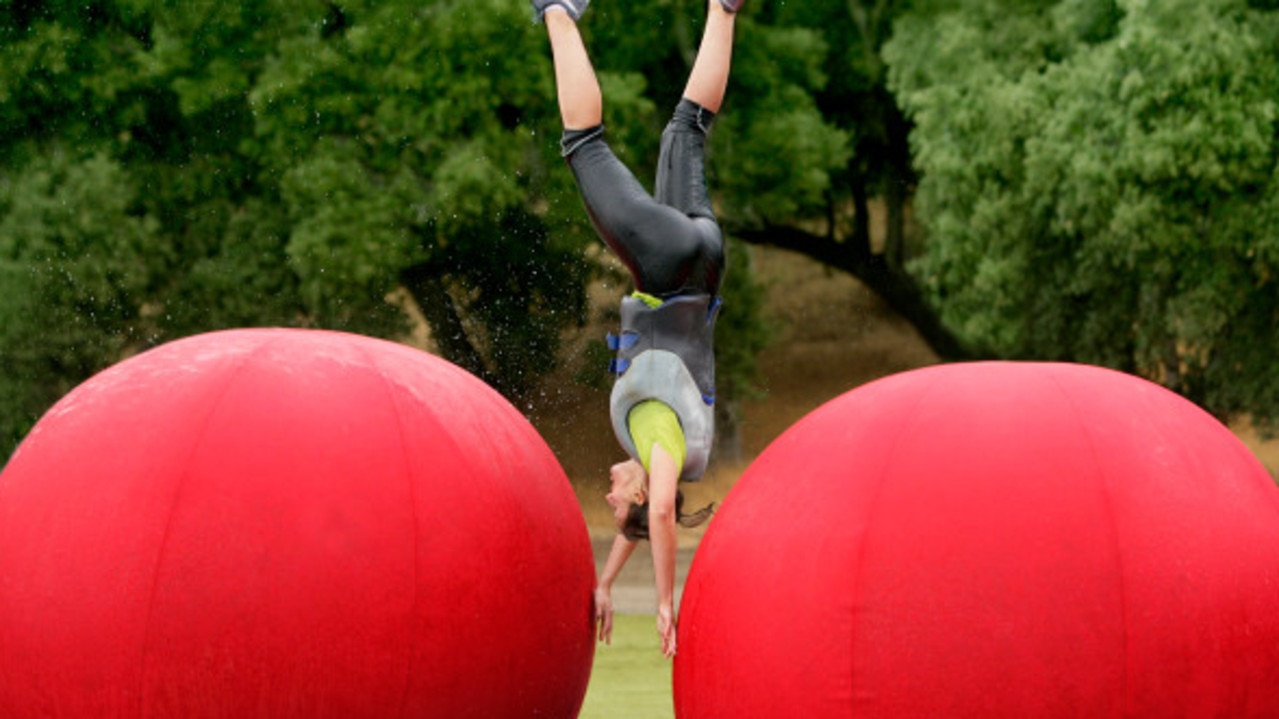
(1099, 184)
(169, 168)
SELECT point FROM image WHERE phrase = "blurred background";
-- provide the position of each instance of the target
(903, 183)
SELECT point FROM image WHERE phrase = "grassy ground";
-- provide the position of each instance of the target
(631, 679)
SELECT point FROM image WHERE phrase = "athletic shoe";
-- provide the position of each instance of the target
(732, 5)
(575, 8)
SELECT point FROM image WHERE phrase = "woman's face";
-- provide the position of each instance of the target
(626, 487)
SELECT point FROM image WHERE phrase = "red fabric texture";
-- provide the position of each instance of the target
(990, 540)
(290, 523)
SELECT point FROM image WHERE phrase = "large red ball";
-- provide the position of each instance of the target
(290, 523)
(990, 540)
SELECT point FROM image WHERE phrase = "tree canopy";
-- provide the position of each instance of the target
(1099, 185)
(168, 169)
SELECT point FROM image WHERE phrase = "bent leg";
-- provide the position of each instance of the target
(681, 169)
(669, 246)
(709, 78)
(681, 164)
(619, 207)
(653, 240)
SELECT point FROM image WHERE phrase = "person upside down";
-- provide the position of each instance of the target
(662, 403)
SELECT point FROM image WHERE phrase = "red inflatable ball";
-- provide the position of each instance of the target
(290, 523)
(990, 540)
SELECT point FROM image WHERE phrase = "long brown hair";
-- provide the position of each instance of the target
(635, 527)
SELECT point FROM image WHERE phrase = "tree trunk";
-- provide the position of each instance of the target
(895, 238)
(440, 310)
(728, 430)
(891, 283)
(899, 183)
(861, 221)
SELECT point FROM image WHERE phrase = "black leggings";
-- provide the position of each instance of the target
(670, 240)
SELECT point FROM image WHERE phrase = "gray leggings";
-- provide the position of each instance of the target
(670, 240)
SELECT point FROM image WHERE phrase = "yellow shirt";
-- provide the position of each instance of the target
(652, 422)
(647, 299)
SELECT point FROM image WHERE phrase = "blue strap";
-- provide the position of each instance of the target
(626, 341)
(618, 366)
(715, 304)
(709, 399)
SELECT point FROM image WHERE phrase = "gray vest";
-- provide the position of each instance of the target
(667, 353)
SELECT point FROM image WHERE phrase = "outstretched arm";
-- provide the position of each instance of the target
(663, 484)
(617, 556)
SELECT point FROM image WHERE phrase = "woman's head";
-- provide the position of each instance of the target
(628, 496)
(628, 487)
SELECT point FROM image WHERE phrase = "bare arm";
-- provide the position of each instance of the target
(663, 484)
(617, 556)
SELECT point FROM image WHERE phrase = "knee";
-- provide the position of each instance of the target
(690, 115)
(573, 140)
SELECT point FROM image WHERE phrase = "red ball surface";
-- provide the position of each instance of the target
(290, 523)
(990, 540)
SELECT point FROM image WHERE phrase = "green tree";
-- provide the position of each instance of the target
(290, 165)
(74, 272)
(169, 168)
(818, 137)
(77, 259)
(741, 335)
(1098, 185)
(406, 153)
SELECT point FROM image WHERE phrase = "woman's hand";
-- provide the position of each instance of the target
(604, 614)
(666, 628)
(617, 556)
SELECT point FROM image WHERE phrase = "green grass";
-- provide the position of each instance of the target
(630, 679)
